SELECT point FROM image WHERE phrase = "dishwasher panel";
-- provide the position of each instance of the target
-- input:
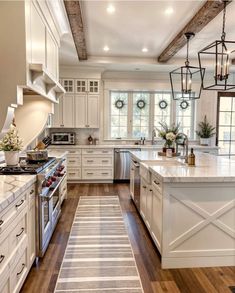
(121, 164)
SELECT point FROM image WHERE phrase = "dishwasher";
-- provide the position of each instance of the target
(122, 163)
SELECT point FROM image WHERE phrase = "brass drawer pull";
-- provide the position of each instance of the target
(150, 190)
(105, 173)
(72, 161)
(22, 230)
(2, 258)
(72, 173)
(23, 266)
(32, 191)
(19, 204)
(104, 161)
(90, 173)
(144, 187)
(1, 222)
(89, 152)
(90, 161)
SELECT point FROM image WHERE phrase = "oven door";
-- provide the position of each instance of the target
(55, 207)
(60, 138)
(45, 224)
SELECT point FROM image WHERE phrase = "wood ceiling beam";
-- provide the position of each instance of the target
(73, 9)
(206, 13)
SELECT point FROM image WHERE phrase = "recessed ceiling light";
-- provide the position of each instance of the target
(106, 48)
(169, 11)
(110, 9)
(145, 50)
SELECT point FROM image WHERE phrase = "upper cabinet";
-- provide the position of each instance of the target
(79, 107)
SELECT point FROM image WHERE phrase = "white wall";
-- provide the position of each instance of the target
(136, 80)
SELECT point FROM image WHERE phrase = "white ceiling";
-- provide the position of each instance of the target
(137, 24)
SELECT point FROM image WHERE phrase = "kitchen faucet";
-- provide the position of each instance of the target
(184, 144)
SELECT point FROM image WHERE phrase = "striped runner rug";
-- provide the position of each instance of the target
(98, 257)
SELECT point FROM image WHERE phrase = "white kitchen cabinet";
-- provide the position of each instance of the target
(143, 198)
(93, 86)
(156, 219)
(81, 86)
(86, 111)
(92, 111)
(31, 226)
(80, 110)
(38, 37)
(149, 202)
(51, 55)
(132, 179)
(68, 85)
(64, 112)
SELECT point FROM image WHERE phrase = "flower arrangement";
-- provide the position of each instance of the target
(169, 133)
(11, 141)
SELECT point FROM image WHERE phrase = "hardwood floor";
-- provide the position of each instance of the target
(42, 277)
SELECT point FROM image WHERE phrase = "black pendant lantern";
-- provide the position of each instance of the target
(186, 80)
(220, 52)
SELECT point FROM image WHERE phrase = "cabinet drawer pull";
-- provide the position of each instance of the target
(1, 222)
(90, 161)
(22, 230)
(19, 204)
(72, 161)
(32, 191)
(105, 152)
(89, 173)
(157, 183)
(150, 190)
(105, 173)
(144, 187)
(72, 152)
(2, 258)
(89, 152)
(105, 161)
(72, 173)
(23, 266)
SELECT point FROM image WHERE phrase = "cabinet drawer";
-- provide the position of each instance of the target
(19, 273)
(31, 192)
(144, 173)
(97, 161)
(156, 183)
(74, 174)
(15, 209)
(18, 232)
(73, 152)
(4, 252)
(97, 151)
(99, 174)
(74, 161)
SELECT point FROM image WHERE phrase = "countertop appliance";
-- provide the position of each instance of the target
(50, 175)
(58, 138)
(122, 163)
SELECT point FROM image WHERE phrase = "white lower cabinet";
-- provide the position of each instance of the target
(156, 221)
(17, 241)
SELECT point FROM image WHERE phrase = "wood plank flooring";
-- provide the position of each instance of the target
(42, 277)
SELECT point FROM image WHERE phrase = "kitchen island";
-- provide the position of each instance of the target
(189, 211)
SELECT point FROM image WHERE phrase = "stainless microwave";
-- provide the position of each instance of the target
(63, 138)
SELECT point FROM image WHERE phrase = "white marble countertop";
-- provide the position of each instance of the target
(57, 153)
(12, 186)
(208, 168)
(126, 146)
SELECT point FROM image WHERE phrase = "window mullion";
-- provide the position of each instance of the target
(130, 115)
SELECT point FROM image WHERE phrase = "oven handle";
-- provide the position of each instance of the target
(48, 198)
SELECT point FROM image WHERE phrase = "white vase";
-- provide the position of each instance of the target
(11, 158)
(204, 141)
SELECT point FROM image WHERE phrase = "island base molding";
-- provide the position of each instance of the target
(194, 262)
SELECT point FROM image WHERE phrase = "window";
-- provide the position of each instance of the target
(226, 124)
(134, 114)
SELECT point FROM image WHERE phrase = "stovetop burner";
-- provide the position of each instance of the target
(26, 167)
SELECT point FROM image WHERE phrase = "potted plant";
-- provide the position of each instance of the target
(205, 132)
(11, 144)
(170, 134)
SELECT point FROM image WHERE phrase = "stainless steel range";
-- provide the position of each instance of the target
(50, 175)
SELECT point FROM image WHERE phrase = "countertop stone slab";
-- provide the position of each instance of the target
(208, 168)
(12, 186)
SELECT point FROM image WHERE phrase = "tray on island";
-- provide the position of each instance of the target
(163, 154)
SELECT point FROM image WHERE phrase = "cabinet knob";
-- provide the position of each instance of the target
(2, 258)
